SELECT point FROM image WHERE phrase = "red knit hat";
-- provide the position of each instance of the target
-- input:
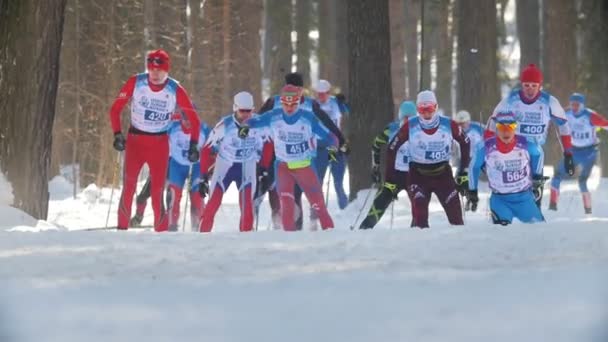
(531, 74)
(158, 59)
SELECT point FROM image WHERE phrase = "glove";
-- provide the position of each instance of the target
(193, 151)
(332, 154)
(203, 186)
(263, 181)
(119, 142)
(473, 198)
(462, 182)
(569, 163)
(243, 132)
(538, 185)
(345, 148)
(376, 173)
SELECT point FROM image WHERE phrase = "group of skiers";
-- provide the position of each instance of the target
(285, 148)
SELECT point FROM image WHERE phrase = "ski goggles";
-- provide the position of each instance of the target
(155, 60)
(428, 108)
(245, 110)
(530, 85)
(290, 99)
(506, 126)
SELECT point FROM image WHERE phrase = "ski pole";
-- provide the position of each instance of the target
(327, 188)
(117, 168)
(352, 226)
(188, 191)
(392, 213)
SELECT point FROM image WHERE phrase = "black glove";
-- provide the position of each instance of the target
(203, 186)
(243, 132)
(462, 182)
(569, 163)
(119, 142)
(538, 185)
(473, 198)
(263, 181)
(193, 151)
(376, 174)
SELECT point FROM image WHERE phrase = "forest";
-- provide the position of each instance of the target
(62, 62)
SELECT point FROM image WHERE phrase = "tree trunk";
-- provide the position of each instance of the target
(412, 12)
(303, 20)
(528, 31)
(212, 90)
(559, 61)
(477, 84)
(277, 48)
(30, 37)
(443, 55)
(397, 21)
(370, 82)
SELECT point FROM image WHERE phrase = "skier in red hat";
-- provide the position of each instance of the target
(153, 97)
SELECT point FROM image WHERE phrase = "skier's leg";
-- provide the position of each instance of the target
(559, 174)
(338, 169)
(586, 160)
(421, 198)
(285, 188)
(444, 187)
(245, 184)
(132, 165)
(219, 183)
(523, 207)
(309, 183)
(177, 178)
(501, 212)
(141, 202)
(156, 157)
(320, 163)
(298, 212)
(197, 203)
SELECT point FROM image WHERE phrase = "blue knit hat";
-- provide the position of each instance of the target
(577, 97)
(505, 117)
(407, 109)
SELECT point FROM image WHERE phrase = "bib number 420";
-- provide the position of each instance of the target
(151, 115)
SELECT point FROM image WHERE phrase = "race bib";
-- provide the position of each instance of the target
(293, 149)
(532, 129)
(509, 177)
(581, 135)
(150, 115)
(435, 155)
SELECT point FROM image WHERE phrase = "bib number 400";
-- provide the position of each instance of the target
(532, 129)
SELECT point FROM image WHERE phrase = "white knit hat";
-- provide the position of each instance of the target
(322, 86)
(243, 100)
(426, 96)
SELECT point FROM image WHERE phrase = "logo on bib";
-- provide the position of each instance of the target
(144, 101)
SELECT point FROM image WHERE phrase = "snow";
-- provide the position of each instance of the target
(474, 283)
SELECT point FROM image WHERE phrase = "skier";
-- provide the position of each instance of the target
(334, 109)
(534, 109)
(474, 130)
(180, 168)
(430, 139)
(235, 162)
(308, 104)
(391, 188)
(583, 122)
(294, 132)
(154, 97)
(509, 166)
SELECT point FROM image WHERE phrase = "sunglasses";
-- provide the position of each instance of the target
(530, 85)
(245, 110)
(426, 109)
(506, 126)
(155, 60)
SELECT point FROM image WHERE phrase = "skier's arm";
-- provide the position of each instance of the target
(558, 117)
(598, 120)
(321, 131)
(207, 154)
(327, 121)
(268, 105)
(465, 146)
(380, 140)
(183, 101)
(476, 166)
(391, 154)
(125, 94)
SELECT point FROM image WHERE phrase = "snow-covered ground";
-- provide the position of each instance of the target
(544, 282)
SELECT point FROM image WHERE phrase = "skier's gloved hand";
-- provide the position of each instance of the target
(473, 198)
(119, 142)
(344, 148)
(243, 132)
(538, 185)
(193, 153)
(392, 187)
(203, 186)
(569, 163)
(462, 181)
(264, 180)
(332, 154)
(376, 173)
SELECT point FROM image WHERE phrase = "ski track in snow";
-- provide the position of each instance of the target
(544, 282)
